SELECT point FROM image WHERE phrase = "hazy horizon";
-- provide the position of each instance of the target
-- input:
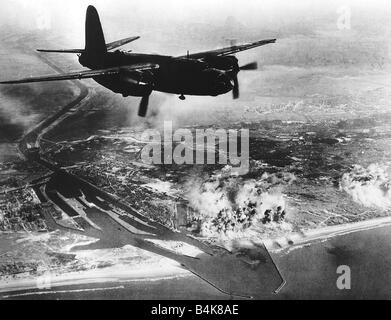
(200, 23)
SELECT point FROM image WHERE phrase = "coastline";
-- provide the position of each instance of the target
(305, 237)
(169, 269)
(155, 272)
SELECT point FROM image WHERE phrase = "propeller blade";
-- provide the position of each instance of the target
(235, 89)
(143, 107)
(250, 66)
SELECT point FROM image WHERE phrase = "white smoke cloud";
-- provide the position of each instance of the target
(369, 186)
(230, 207)
(18, 115)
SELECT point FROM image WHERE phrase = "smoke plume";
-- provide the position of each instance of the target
(228, 205)
(369, 186)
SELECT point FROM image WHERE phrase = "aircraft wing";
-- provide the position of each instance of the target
(85, 74)
(229, 50)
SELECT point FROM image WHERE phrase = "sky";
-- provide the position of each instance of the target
(272, 14)
(175, 26)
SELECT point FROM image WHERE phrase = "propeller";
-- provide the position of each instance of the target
(235, 89)
(248, 66)
(143, 107)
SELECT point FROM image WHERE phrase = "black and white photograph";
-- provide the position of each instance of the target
(198, 150)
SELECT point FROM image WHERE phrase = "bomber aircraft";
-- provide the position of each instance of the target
(209, 73)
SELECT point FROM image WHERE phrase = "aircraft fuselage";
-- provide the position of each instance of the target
(174, 75)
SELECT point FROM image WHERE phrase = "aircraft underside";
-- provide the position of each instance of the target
(183, 87)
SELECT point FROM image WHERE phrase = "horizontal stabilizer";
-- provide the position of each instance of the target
(119, 43)
(110, 46)
(62, 50)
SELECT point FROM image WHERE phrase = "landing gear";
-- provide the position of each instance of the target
(182, 97)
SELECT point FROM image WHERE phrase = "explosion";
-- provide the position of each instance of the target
(369, 186)
(228, 206)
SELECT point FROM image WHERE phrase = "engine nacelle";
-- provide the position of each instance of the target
(140, 78)
(136, 83)
(223, 63)
(217, 81)
(211, 75)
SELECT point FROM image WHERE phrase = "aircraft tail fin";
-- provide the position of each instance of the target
(95, 40)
